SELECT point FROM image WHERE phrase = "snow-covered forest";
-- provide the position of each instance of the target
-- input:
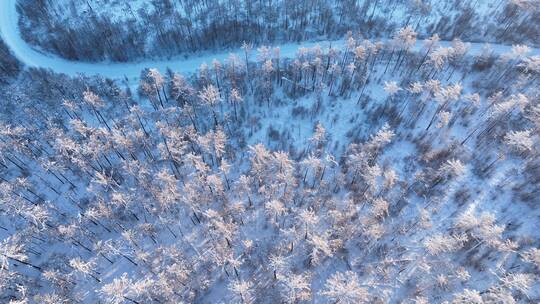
(126, 30)
(380, 156)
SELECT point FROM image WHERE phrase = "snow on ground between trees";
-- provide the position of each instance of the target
(394, 171)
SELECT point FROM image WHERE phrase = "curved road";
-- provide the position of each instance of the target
(9, 32)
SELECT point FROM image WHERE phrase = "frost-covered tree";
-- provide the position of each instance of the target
(118, 290)
(242, 290)
(441, 243)
(210, 96)
(86, 268)
(467, 296)
(532, 256)
(521, 141)
(296, 287)
(275, 209)
(236, 99)
(345, 287)
(181, 90)
(319, 136)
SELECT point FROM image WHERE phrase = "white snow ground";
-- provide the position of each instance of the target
(33, 58)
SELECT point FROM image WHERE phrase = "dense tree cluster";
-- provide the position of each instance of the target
(124, 30)
(9, 65)
(362, 173)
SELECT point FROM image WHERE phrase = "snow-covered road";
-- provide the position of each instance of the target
(33, 58)
(9, 31)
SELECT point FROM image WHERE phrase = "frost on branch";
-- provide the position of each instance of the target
(345, 288)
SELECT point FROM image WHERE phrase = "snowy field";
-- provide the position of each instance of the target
(397, 169)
